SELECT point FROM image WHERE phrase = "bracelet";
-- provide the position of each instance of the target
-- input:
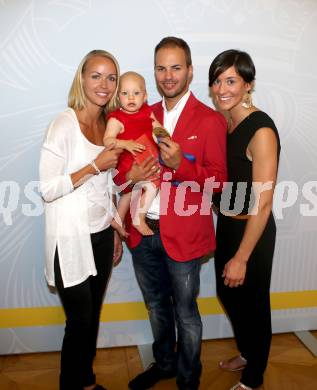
(94, 165)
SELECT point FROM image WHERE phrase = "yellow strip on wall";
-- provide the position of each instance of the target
(127, 311)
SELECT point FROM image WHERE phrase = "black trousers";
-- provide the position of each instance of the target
(248, 306)
(82, 305)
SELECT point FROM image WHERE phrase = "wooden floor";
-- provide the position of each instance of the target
(291, 367)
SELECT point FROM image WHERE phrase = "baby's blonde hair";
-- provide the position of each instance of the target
(135, 75)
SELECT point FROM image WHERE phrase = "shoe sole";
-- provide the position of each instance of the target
(232, 369)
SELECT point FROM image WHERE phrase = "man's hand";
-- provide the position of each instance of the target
(171, 153)
(143, 171)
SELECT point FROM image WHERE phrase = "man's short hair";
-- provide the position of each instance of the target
(174, 42)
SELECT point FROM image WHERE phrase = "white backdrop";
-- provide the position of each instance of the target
(42, 43)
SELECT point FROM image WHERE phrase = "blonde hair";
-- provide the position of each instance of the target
(76, 96)
(132, 75)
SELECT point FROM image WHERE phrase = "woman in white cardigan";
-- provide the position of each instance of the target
(76, 185)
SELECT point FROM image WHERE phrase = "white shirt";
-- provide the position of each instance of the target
(71, 214)
(170, 120)
(97, 195)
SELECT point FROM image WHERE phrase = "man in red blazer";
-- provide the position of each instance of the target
(167, 264)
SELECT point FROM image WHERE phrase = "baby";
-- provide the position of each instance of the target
(132, 120)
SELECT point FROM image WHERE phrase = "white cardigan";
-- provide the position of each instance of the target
(64, 151)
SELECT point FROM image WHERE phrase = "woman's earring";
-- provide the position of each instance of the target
(247, 101)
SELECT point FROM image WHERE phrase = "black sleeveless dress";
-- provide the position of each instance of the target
(247, 306)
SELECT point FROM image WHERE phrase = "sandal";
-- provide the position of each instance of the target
(236, 363)
(240, 385)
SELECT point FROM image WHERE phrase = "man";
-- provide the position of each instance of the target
(167, 264)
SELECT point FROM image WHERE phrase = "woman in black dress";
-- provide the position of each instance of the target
(246, 228)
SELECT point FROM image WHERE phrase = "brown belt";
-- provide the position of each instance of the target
(153, 224)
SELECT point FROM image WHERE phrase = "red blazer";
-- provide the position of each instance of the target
(186, 224)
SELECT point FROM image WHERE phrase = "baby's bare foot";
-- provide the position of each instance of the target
(144, 229)
(120, 229)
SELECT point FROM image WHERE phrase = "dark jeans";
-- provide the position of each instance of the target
(82, 304)
(170, 290)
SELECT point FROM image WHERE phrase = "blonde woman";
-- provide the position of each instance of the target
(81, 246)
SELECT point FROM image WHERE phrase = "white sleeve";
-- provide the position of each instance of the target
(54, 181)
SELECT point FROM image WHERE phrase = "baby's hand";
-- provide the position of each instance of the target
(133, 147)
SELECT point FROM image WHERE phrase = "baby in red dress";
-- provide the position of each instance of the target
(125, 125)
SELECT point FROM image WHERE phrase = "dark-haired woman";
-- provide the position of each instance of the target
(246, 228)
